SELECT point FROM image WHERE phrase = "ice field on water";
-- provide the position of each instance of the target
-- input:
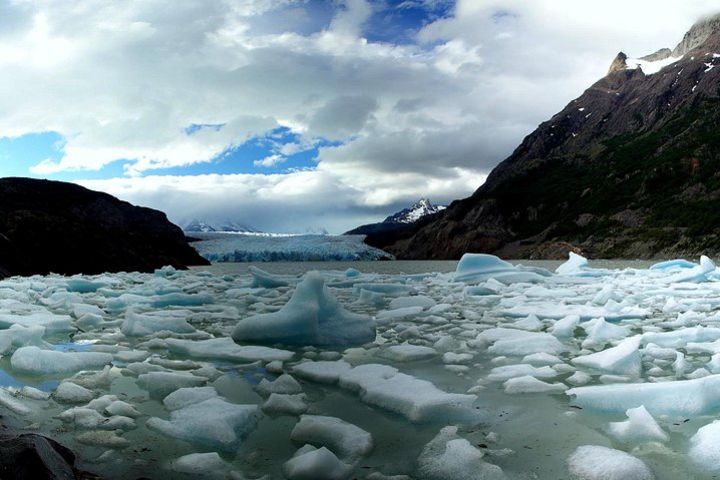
(490, 371)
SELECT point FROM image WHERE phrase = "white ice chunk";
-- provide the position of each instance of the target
(20, 336)
(449, 457)
(137, 325)
(284, 404)
(68, 392)
(10, 401)
(505, 372)
(528, 384)
(565, 327)
(531, 342)
(639, 427)
(35, 361)
(346, 440)
(226, 349)
(263, 279)
(414, 301)
(213, 423)
(321, 372)
(600, 332)
(283, 384)
(541, 359)
(704, 451)
(182, 397)
(593, 462)
(574, 265)
(407, 353)
(160, 384)
(84, 417)
(623, 359)
(201, 465)
(417, 400)
(316, 464)
(686, 398)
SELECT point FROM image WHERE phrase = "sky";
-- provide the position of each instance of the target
(295, 115)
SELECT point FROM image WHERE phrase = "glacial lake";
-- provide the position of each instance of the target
(507, 367)
(397, 266)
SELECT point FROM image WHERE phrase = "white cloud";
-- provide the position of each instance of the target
(270, 161)
(123, 80)
(283, 202)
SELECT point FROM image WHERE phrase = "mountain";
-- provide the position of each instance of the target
(198, 226)
(630, 169)
(67, 229)
(421, 208)
(399, 220)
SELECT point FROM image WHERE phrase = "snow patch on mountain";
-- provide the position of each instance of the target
(651, 67)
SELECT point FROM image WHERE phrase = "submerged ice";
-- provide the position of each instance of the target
(493, 371)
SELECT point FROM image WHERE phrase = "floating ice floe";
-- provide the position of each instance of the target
(450, 457)
(683, 398)
(35, 361)
(595, 462)
(226, 349)
(213, 423)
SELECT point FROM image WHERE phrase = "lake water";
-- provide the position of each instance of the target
(477, 334)
(396, 267)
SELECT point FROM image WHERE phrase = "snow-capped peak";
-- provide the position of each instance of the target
(420, 209)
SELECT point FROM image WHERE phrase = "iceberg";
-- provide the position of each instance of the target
(479, 267)
(312, 316)
(576, 264)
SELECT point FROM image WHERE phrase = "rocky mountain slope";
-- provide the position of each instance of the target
(630, 169)
(64, 228)
(397, 221)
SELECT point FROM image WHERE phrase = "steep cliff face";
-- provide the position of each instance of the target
(64, 228)
(629, 169)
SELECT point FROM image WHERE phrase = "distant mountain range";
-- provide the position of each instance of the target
(630, 169)
(198, 226)
(397, 221)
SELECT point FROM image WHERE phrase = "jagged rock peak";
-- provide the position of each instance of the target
(698, 34)
(619, 64)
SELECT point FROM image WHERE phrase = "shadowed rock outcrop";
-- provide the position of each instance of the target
(48, 226)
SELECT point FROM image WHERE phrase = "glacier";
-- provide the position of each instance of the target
(490, 369)
(238, 247)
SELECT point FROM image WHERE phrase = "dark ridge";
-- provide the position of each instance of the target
(630, 169)
(48, 226)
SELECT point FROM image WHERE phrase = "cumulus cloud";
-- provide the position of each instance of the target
(125, 80)
(290, 202)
